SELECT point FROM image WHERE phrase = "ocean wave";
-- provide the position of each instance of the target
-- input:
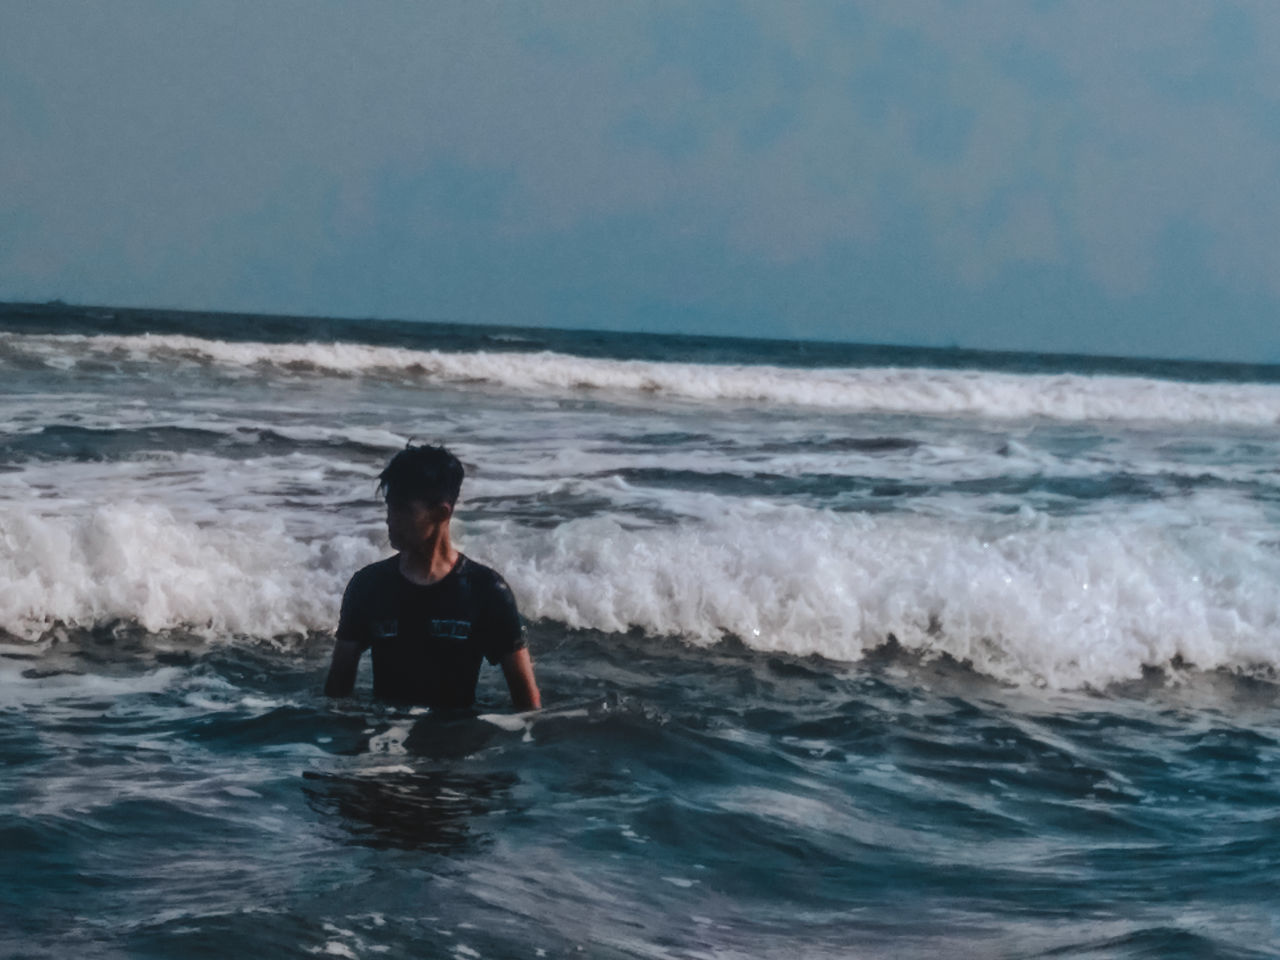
(139, 563)
(1003, 396)
(71, 442)
(1064, 605)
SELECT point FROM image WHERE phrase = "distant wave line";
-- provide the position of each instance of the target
(909, 390)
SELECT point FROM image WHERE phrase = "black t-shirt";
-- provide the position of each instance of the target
(428, 641)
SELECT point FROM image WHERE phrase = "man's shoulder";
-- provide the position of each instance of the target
(501, 629)
(375, 574)
(482, 577)
(477, 572)
(368, 592)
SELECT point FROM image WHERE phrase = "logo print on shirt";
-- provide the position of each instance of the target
(383, 629)
(451, 629)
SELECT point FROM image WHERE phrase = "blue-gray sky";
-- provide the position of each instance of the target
(1085, 176)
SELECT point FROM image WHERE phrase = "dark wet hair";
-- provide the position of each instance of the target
(430, 474)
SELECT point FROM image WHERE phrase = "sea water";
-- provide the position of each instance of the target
(845, 651)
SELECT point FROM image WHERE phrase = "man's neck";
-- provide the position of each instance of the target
(430, 564)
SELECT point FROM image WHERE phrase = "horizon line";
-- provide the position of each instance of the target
(954, 349)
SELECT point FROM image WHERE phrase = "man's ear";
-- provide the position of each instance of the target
(445, 512)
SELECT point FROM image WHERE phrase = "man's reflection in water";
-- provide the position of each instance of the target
(429, 805)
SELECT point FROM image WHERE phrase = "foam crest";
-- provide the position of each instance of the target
(1085, 603)
(1068, 397)
(1066, 603)
(139, 563)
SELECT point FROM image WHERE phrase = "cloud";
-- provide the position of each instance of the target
(253, 155)
(1134, 120)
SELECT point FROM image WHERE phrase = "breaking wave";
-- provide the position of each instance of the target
(1066, 397)
(1081, 603)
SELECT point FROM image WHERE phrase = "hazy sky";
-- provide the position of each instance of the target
(1061, 176)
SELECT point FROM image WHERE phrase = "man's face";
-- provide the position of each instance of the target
(413, 524)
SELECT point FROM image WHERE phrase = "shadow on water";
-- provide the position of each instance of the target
(434, 810)
(420, 801)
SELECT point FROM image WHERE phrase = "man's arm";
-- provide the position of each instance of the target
(518, 669)
(342, 670)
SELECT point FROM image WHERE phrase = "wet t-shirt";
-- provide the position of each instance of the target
(428, 641)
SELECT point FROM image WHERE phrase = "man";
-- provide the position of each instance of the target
(430, 614)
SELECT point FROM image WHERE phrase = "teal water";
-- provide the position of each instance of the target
(843, 654)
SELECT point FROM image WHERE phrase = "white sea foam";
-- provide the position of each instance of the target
(139, 563)
(1087, 602)
(1067, 397)
(17, 690)
(1064, 603)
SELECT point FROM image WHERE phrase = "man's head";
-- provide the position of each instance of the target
(429, 474)
(421, 486)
